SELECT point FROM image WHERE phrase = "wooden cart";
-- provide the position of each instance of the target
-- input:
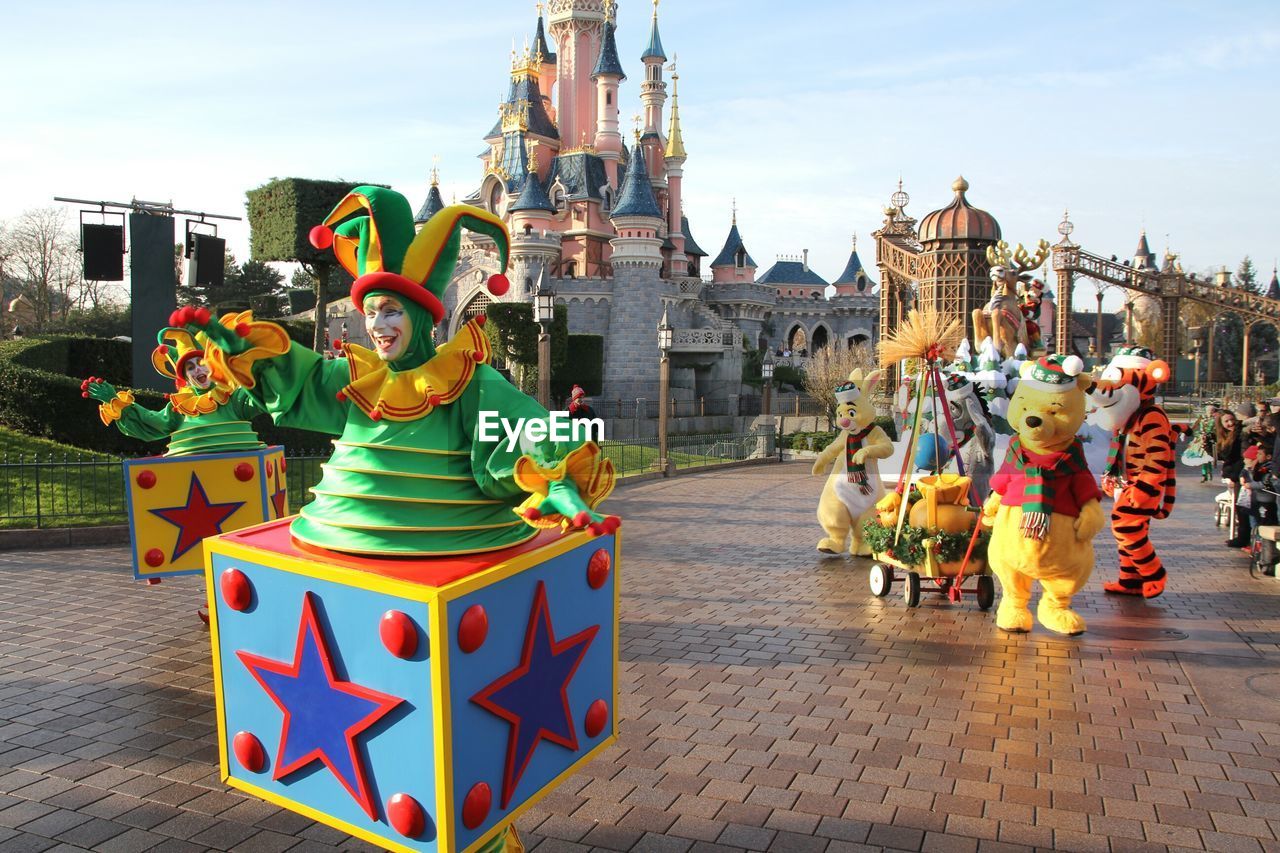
(882, 578)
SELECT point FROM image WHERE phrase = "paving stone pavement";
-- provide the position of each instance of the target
(769, 702)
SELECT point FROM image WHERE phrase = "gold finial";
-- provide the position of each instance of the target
(855, 241)
(733, 201)
(675, 139)
(655, 9)
(637, 119)
(608, 10)
(960, 184)
(513, 53)
(435, 170)
(538, 6)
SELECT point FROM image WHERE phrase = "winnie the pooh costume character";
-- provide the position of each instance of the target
(1044, 509)
(850, 495)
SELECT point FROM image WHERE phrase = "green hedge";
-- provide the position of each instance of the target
(820, 439)
(40, 396)
(583, 365)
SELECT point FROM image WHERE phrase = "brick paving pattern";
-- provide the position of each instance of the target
(769, 702)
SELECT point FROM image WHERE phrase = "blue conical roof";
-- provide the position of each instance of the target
(433, 205)
(533, 195)
(636, 198)
(728, 255)
(654, 48)
(851, 270)
(1273, 289)
(691, 246)
(608, 62)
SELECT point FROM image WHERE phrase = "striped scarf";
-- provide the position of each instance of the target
(1038, 493)
(857, 471)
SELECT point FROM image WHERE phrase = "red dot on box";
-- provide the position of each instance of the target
(597, 717)
(237, 592)
(244, 472)
(406, 815)
(598, 568)
(154, 558)
(475, 808)
(398, 633)
(249, 752)
(473, 628)
(146, 479)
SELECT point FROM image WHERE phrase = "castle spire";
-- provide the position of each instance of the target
(675, 141)
(540, 45)
(636, 198)
(654, 48)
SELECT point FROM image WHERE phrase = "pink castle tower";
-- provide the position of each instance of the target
(653, 94)
(578, 29)
(608, 75)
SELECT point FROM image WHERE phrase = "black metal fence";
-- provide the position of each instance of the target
(75, 490)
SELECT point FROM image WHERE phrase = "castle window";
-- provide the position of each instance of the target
(570, 269)
(740, 258)
(528, 229)
(608, 97)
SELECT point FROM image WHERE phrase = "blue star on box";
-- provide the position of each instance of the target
(197, 519)
(323, 715)
(534, 697)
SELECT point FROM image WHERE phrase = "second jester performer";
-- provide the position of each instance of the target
(411, 472)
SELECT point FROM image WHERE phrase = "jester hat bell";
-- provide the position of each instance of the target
(175, 347)
(371, 232)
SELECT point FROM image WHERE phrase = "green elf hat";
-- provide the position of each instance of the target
(1053, 373)
(1133, 356)
(847, 392)
(380, 249)
(957, 385)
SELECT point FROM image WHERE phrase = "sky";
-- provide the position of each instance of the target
(1132, 115)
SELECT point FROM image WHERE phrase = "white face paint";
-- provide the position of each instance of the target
(388, 326)
(198, 373)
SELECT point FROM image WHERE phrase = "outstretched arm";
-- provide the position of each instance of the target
(564, 481)
(131, 419)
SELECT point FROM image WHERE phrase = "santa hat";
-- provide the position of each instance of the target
(1052, 373)
(379, 247)
(1133, 356)
(848, 392)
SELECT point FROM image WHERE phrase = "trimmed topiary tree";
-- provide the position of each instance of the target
(282, 213)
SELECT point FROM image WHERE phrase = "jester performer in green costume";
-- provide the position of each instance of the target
(410, 473)
(203, 415)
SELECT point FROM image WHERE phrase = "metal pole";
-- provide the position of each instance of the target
(1208, 374)
(764, 400)
(1102, 350)
(544, 367)
(1244, 357)
(664, 383)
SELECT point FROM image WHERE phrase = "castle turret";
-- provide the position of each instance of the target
(608, 74)
(733, 264)
(1273, 289)
(653, 94)
(535, 249)
(433, 203)
(675, 157)
(637, 218)
(853, 281)
(1143, 257)
(547, 65)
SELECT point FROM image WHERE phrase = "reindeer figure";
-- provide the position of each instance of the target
(1002, 319)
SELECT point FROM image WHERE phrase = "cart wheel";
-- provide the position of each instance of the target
(911, 589)
(986, 592)
(881, 580)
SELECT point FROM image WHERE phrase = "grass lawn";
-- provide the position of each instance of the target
(77, 487)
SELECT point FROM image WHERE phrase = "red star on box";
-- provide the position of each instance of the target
(301, 688)
(534, 697)
(278, 501)
(197, 519)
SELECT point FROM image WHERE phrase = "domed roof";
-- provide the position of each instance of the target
(959, 220)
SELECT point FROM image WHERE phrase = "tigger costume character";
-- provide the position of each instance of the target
(1140, 466)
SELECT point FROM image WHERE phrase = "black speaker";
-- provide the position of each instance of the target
(208, 260)
(103, 249)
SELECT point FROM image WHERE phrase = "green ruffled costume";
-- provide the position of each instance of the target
(409, 474)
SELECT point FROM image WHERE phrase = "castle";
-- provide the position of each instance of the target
(598, 218)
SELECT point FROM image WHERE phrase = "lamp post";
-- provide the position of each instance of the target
(1098, 325)
(766, 373)
(664, 391)
(544, 311)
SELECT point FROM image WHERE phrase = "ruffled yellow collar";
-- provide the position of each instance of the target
(381, 392)
(191, 404)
